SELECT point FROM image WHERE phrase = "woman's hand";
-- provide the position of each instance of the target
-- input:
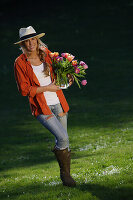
(71, 79)
(51, 88)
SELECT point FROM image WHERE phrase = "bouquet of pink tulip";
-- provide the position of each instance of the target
(66, 66)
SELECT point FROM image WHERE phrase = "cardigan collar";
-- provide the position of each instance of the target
(29, 70)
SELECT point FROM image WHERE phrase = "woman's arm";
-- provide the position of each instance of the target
(24, 86)
(51, 88)
(23, 83)
(71, 79)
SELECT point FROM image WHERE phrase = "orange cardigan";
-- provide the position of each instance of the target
(27, 85)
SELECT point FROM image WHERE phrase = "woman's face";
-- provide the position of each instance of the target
(31, 44)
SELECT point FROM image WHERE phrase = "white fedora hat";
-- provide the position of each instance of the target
(26, 33)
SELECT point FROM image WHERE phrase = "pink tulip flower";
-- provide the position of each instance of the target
(77, 70)
(85, 66)
(65, 55)
(84, 82)
(74, 63)
(82, 63)
(70, 57)
(56, 54)
(51, 55)
(59, 58)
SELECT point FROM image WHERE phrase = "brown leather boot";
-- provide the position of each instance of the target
(63, 158)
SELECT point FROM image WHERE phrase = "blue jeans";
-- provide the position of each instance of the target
(57, 125)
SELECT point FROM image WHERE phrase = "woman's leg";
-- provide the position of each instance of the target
(58, 127)
(61, 116)
(55, 127)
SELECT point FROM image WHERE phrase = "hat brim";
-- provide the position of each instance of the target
(38, 36)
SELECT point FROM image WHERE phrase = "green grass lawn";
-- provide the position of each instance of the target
(101, 160)
(100, 123)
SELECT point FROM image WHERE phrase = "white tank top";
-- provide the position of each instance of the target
(51, 97)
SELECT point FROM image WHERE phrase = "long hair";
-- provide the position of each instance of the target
(41, 53)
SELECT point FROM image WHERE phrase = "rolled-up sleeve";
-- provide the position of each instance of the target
(23, 82)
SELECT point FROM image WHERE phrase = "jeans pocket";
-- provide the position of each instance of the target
(63, 119)
(43, 118)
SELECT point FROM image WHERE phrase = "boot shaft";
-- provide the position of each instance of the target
(63, 158)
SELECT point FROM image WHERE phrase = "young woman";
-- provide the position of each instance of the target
(33, 74)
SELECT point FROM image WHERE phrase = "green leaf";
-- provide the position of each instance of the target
(77, 80)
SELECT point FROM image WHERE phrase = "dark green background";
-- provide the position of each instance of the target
(97, 32)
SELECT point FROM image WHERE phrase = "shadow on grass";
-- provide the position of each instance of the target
(104, 193)
(49, 191)
(24, 143)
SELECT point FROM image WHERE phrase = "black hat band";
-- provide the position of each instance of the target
(28, 36)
